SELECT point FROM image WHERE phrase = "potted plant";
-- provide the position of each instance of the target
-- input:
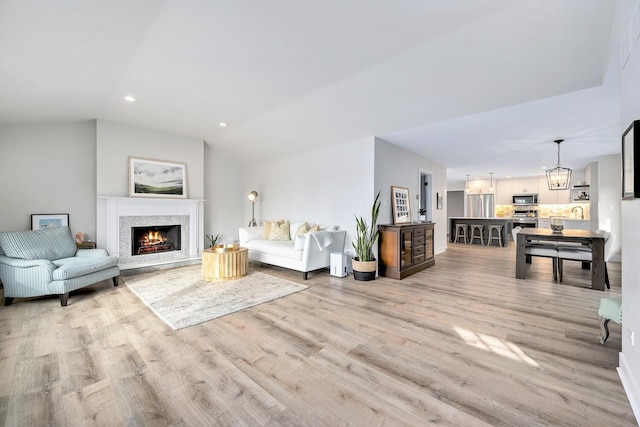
(364, 263)
(212, 240)
(422, 214)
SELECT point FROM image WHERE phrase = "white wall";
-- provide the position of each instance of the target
(115, 142)
(630, 356)
(395, 166)
(327, 185)
(609, 190)
(224, 194)
(48, 168)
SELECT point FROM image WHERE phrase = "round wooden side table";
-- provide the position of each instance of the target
(224, 262)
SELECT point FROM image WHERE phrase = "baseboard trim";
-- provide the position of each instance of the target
(631, 387)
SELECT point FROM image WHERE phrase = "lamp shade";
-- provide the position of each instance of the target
(253, 196)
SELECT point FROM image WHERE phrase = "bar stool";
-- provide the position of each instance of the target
(461, 231)
(492, 237)
(480, 229)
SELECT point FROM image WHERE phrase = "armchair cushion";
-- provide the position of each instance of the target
(51, 244)
(68, 268)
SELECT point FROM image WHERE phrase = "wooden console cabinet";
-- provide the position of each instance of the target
(404, 249)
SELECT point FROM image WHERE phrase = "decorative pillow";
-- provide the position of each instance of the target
(302, 229)
(279, 231)
(298, 244)
(267, 228)
(314, 227)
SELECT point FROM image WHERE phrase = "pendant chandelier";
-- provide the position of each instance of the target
(559, 178)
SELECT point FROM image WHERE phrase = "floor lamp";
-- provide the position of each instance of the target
(253, 196)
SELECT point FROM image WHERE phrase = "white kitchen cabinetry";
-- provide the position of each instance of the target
(504, 192)
(577, 224)
(551, 197)
(544, 222)
(525, 185)
(480, 186)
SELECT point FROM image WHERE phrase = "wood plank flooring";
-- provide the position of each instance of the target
(462, 343)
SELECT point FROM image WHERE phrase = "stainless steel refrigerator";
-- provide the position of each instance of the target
(479, 206)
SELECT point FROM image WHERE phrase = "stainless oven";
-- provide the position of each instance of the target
(525, 222)
(525, 216)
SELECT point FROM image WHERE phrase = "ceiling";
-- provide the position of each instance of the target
(480, 86)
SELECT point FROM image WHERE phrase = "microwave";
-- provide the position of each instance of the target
(525, 199)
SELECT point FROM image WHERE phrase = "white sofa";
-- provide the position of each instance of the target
(305, 253)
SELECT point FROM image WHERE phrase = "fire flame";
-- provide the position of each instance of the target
(153, 238)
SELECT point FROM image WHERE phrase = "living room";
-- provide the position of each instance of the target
(67, 166)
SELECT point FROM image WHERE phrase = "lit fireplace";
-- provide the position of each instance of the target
(152, 240)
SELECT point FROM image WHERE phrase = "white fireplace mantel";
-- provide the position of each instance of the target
(117, 207)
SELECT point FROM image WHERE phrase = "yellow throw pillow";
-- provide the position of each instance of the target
(267, 228)
(314, 227)
(280, 231)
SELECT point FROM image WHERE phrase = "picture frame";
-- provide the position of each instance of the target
(630, 157)
(157, 178)
(44, 221)
(401, 205)
(438, 200)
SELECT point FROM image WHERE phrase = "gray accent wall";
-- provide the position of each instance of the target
(48, 168)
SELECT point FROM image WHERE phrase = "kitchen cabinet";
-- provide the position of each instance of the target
(405, 249)
(480, 186)
(577, 224)
(504, 192)
(551, 197)
(525, 185)
(544, 222)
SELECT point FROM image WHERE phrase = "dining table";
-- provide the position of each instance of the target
(586, 237)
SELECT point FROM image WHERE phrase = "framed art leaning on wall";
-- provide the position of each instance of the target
(157, 178)
(401, 207)
(44, 221)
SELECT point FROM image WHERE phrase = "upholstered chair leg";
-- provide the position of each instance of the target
(64, 298)
(305, 275)
(604, 329)
(115, 280)
(606, 276)
(555, 268)
(8, 301)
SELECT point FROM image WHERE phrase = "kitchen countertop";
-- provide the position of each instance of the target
(566, 219)
(503, 218)
(507, 218)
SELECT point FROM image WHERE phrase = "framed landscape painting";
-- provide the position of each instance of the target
(157, 178)
(44, 221)
(401, 208)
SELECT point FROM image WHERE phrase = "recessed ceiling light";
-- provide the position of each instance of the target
(222, 124)
(129, 98)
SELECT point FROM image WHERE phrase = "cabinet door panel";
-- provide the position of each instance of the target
(406, 254)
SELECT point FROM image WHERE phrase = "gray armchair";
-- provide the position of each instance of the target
(47, 262)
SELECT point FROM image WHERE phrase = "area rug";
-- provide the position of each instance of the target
(182, 298)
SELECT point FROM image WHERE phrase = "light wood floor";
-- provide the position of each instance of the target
(461, 343)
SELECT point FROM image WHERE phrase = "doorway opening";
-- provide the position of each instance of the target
(426, 195)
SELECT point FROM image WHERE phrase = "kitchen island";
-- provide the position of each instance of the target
(505, 222)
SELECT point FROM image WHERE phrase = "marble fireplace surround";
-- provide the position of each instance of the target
(122, 213)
